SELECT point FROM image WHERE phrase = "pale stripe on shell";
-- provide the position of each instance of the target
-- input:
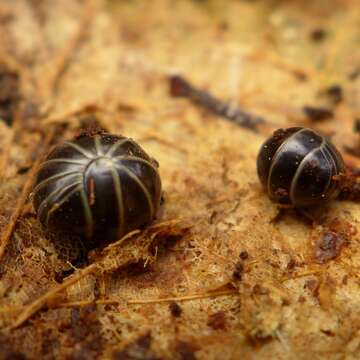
(120, 199)
(56, 192)
(80, 149)
(135, 158)
(276, 156)
(58, 204)
(56, 177)
(62, 161)
(98, 147)
(140, 184)
(328, 155)
(116, 145)
(89, 219)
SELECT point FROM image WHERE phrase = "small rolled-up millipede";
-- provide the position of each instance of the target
(99, 187)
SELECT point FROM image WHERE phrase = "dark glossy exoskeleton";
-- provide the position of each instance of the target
(99, 187)
(297, 166)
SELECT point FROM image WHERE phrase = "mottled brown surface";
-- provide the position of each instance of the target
(295, 295)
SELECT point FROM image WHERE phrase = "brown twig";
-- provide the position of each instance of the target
(89, 302)
(12, 309)
(6, 234)
(302, 274)
(35, 306)
(30, 310)
(317, 114)
(185, 297)
(149, 301)
(180, 87)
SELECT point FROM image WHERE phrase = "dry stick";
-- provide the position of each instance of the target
(148, 301)
(88, 302)
(34, 307)
(6, 235)
(302, 274)
(124, 238)
(180, 87)
(185, 297)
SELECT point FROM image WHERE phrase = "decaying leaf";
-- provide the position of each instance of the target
(249, 281)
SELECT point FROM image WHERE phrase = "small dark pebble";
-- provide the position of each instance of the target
(335, 93)
(23, 170)
(318, 113)
(244, 255)
(175, 309)
(239, 268)
(318, 35)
